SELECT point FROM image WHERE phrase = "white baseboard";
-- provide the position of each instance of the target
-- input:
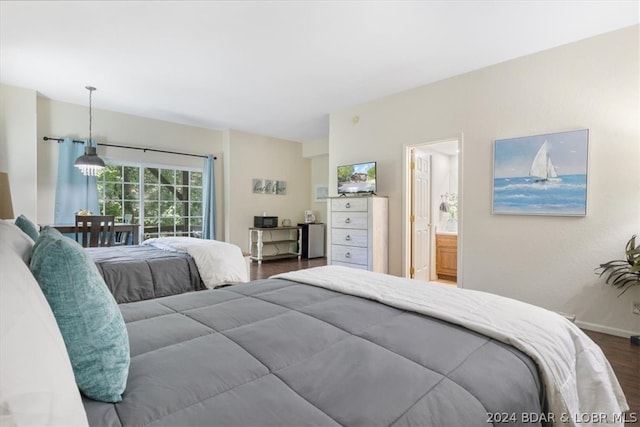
(605, 329)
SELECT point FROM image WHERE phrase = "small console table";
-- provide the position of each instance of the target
(285, 242)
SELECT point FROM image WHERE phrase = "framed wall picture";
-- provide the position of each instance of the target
(269, 186)
(541, 174)
(321, 193)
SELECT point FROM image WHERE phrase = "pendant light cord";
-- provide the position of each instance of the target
(90, 89)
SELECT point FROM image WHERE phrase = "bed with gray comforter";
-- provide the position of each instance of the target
(135, 273)
(279, 353)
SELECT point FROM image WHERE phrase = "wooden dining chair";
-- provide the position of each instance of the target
(121, 238)
(96, 230)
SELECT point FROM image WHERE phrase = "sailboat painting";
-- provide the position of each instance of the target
(541, 174)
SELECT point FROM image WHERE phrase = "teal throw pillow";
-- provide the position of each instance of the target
(89, 319)
(27, 227)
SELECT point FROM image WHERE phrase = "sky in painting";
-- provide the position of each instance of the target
(568, 151)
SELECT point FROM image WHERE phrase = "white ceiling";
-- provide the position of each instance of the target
(276, 68)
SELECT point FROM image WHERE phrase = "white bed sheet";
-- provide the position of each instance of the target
(219, 263)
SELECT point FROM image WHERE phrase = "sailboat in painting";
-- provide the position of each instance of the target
(542, 167)
(526, 170)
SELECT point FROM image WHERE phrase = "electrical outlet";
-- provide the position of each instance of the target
(636, 307)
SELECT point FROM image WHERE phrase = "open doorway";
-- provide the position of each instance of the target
(432, 205)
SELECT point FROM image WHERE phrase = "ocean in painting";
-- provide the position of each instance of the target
(522, 195)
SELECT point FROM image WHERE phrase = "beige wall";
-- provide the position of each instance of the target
(250, 156)
(318, 153)
(544, 260)
(26, 119)
(319, 177)
(547, 261)
(60, 119)
(18, 147)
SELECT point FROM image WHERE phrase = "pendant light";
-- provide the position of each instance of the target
(89, 163)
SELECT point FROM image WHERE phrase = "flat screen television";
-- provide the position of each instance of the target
(357, 178)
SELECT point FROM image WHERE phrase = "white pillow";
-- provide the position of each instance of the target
(37, 386)
(18, 240)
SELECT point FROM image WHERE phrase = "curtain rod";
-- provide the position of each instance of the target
(48, 138)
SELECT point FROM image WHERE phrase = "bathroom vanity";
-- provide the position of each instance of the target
(447, 255)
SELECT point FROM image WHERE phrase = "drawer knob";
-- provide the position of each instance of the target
(348, 205)
(347, 221)
(347, 255)
(347, 237)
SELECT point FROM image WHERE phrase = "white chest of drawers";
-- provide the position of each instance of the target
(358, 234)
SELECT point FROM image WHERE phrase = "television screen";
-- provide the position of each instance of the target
(357, 178)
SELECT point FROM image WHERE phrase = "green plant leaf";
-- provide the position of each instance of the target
(623, 273)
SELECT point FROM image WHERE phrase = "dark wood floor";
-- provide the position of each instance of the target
(269, 268)
(623, 356)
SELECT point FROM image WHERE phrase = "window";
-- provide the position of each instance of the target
(167, 201)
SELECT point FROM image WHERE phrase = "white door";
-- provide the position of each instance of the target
(420, 215)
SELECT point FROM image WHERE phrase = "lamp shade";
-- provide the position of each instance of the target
(6, 205)
(89, 163)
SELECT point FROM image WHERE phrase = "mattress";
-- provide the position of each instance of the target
(135, 273)
(281, 353)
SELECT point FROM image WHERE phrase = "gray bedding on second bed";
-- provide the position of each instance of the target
(135, 273)
(276, 352)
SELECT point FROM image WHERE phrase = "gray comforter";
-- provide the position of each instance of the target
(135, 273)
(279, 353)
